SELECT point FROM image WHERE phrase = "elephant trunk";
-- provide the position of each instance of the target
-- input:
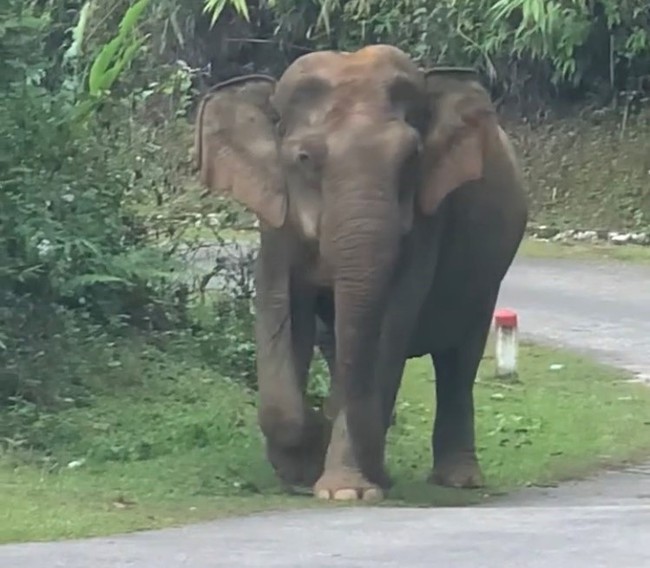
(364, 251)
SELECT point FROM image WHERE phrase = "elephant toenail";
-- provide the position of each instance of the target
(373, 494)
(323, 494)
(346, 495)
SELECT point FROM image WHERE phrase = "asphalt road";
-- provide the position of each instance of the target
(600, 308)
(601, 522)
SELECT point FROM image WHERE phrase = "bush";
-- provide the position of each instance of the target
(97, 200)
(75, 249)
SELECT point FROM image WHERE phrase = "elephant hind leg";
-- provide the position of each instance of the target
(455, 463)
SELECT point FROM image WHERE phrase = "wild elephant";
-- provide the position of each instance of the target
(391, 206)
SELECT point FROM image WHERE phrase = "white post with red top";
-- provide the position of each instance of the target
(507, 342)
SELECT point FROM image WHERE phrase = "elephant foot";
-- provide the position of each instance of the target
(296, 468)
(299, 467)
(347, 485)
(460, 473)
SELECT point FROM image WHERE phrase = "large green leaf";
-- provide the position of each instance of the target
(117, 53)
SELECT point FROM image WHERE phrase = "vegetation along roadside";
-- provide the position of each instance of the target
(127, 392)
(178, 442)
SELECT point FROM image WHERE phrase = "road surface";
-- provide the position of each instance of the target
(602, 522)
(601, 308)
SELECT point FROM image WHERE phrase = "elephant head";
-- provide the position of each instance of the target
(342, 126)
(346, 149)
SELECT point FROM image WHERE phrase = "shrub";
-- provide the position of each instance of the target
(72, 166)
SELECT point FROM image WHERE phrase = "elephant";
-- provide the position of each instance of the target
(391, 204)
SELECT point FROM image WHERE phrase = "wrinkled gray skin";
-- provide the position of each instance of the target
(391, 207)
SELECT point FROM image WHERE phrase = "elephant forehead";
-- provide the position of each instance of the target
(380, 57)
(334, 63)
(359, 72)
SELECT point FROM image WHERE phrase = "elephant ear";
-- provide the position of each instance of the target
(454, 146)
(236, 148)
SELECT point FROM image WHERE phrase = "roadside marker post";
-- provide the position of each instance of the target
(506, 343)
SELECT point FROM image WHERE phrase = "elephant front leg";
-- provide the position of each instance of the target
(354, 464)
(343, 479)
(296, 435)
(455, 463)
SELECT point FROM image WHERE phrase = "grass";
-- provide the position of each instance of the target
(181, 445)
(532, 248)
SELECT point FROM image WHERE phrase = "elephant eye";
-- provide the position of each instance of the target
(410, 171)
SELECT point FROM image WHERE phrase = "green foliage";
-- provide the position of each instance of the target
(227, 338)
(94, 206)
(556, 42)
(550, 31)
(216, 7)
(117, 53)
(61, 206)
(20, 34)
(181, 444)
(75, 251)
(200, 408)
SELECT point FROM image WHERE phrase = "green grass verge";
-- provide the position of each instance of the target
(182, 445)
(532, 248)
